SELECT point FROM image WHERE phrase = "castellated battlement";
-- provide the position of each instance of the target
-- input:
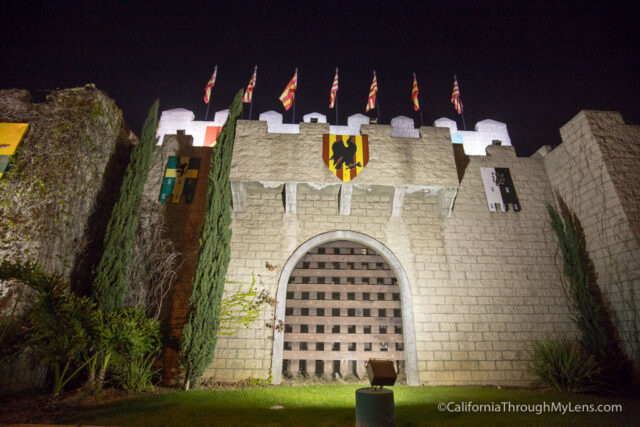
(486, 132)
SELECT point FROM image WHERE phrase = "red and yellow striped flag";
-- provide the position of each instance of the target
(248, 93)
(414, 94)
(289, 92)
(455, 96)
(371, 102)
(209, 86)
(334, 91)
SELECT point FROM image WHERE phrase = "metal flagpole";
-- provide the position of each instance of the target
(207, 113)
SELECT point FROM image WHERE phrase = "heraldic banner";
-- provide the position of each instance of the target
(345, 155)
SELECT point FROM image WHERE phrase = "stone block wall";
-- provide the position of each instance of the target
(595, 171)
(484, 285)
(504, 290)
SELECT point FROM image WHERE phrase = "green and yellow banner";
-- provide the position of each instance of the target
(10, 136)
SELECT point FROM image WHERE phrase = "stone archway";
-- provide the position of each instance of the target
(408, 330)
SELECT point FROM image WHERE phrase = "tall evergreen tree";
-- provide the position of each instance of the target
(110, 283)
(200, 333)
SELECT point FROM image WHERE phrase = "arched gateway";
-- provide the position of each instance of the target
(343, 298)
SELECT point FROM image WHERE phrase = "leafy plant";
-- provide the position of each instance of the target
(137, 374)
(124, 337)
(562, 365)
(242, 307)
(60, 332)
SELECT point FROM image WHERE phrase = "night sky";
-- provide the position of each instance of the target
(530, 64)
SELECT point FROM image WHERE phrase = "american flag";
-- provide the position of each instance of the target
(414, 94)
(248, 94)
(371, 102)
(455, 96)
(289, 92)
(209, 86)
(334, 91)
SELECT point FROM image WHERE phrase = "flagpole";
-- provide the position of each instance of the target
(464, 125)
(293, 116)
(207, 113)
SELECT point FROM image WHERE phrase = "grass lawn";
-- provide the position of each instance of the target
(333, 405)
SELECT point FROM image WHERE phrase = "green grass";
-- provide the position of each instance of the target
(334, 405)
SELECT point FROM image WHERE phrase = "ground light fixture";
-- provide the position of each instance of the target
(374, 405)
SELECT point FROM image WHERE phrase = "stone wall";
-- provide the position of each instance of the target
(504, 288)
(595, 171)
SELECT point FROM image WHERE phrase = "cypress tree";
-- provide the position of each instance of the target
(110, 282)
(201, 330)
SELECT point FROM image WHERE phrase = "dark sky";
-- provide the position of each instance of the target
(530, 64)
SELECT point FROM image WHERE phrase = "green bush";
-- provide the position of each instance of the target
(127, 341)
(563, 365)
(60, 331)
(137, 374)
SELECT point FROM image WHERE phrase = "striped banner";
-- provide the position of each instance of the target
(345, 155)
(455, 97)
(210, 84)
(289, 92)
(334, 91)
(414, 94)
(248, 94)
(371, 102)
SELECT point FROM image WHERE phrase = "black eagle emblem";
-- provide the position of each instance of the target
(344, 155)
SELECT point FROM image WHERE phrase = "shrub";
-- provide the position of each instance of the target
(60, 331)
(127, 340)
(137, 374)
(562, 365)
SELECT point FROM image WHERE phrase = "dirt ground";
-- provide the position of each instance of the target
(42, 408)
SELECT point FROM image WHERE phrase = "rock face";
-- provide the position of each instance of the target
(57, 194)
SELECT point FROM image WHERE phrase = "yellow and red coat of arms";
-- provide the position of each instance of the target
(345, 155)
